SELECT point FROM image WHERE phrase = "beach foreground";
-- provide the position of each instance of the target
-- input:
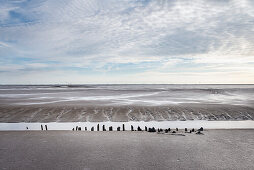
(217, 149)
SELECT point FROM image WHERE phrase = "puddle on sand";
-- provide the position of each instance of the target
(248, 124)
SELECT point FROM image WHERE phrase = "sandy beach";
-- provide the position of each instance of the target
(216, 149)
(49, 113)
(160, 106)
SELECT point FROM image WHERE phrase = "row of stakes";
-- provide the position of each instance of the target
(132, 129)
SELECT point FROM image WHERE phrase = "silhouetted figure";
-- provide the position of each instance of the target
(76, 128)
(103, 128)
(169, 129)
(139, 129)
(145, 128)
(72, 129)
(158, 130)
(193, 130)
(118, 128)
(79, 128)
(186, 130)
(98, 127)
(26, 128)
(46, 127)
(92, 129)
(132, 129)
(166, 130)
(110, 128)
(161, 130)
(176, 129)
(41, 127)
(174, 132)
(123, 128)
(190, 131)
(201, 129)
(85, 128)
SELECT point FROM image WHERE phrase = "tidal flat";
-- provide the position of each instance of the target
(123, 103)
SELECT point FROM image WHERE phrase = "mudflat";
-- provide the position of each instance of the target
(48, 113)
(216, 149)
(117, 103)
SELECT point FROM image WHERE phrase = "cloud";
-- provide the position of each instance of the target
(125, 36)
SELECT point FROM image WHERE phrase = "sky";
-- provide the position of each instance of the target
(126, 41)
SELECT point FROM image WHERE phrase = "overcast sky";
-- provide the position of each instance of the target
(126, 41)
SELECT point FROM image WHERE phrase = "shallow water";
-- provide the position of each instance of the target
(248, 124)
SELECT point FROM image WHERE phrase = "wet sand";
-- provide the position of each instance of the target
(217, 149)
(123, 103)
(71, 113)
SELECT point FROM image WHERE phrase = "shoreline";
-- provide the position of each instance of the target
(180, 131)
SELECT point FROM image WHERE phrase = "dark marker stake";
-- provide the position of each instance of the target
(132, 129)
(151, 130)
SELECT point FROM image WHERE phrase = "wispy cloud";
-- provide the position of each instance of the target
(114, 39)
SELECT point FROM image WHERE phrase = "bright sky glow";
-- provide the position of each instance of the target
(126, 41)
